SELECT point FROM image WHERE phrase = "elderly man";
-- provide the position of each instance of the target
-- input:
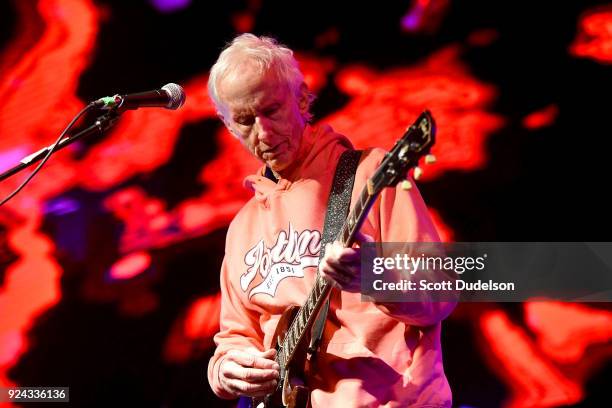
(371, 354)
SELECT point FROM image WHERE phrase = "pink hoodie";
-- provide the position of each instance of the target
(372, 355)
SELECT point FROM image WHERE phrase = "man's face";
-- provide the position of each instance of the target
(265, 115)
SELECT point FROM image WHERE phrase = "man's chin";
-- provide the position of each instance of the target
(276, 166)
(283, 163)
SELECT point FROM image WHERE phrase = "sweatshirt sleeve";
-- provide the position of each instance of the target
(403, 217)
(239, 329)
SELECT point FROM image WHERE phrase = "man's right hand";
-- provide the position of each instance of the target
(249, 373)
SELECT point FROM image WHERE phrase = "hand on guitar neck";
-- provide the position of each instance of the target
(342, 266)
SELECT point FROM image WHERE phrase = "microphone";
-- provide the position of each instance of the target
(170, 96)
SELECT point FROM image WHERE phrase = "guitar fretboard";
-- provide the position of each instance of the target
(321, 289)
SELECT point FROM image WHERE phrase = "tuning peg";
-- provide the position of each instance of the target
(418, 172)
(430, 158)
(406, 185)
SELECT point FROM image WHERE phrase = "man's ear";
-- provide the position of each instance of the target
(304, 99)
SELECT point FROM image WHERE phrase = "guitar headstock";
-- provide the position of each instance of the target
(415, 144)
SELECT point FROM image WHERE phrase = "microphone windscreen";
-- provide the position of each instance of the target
(176, 94)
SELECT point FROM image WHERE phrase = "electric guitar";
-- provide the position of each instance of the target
(292, 335)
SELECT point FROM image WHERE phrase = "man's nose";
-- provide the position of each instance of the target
(263, 129)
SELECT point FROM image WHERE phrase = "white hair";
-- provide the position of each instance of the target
(262, 53)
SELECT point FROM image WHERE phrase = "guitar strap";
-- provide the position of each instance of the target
(337, 211)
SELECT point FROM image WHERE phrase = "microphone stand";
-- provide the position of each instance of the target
(101, 125)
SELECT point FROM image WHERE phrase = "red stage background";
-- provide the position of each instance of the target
(109, 258)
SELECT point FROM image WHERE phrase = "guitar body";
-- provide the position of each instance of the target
(291, 391)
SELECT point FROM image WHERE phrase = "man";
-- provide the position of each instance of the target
(372, 354)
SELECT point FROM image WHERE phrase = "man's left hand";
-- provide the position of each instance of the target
(342, 266)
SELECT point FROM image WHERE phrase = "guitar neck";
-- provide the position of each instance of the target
(321, 290)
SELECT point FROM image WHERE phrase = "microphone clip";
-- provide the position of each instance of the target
(109, 102)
